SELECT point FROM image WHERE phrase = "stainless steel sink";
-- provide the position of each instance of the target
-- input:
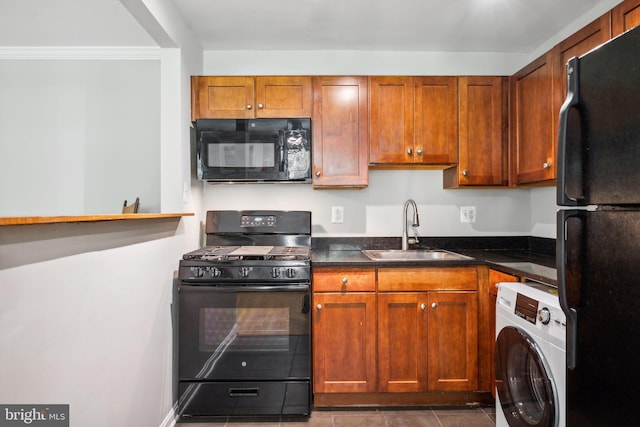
(413, 255)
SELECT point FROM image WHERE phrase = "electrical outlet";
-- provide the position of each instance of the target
(468, 214)
(337, 214)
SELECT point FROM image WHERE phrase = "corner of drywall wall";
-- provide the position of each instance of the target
(543, 212)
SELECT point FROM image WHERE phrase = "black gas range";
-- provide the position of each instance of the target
(244, 308)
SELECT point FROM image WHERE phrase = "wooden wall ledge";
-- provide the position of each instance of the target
(30, 220)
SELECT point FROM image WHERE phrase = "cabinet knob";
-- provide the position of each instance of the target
(319, 306)
(546, 165)
(345, 280)
(249, 106)
(419, 151)
(410, 151)
(423, 306)
(261, 106)
(318, 174)
(465, 172)
(434, 305)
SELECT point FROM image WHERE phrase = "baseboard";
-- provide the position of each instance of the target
(170, 419)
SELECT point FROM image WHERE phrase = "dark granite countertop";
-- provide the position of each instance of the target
(529, 257)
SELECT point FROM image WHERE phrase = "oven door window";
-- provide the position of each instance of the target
(243, 335)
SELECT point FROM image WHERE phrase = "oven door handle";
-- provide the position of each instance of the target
(247, 288)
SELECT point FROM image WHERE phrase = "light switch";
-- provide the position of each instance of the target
(468, 214)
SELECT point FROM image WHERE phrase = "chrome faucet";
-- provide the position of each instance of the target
(415, 223)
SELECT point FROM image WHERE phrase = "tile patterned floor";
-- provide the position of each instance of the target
(425, 417)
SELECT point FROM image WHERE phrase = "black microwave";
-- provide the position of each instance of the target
(253, 150)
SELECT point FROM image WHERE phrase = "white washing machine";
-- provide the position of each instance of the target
(530, 356)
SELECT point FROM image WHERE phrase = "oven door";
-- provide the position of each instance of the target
(244, 333)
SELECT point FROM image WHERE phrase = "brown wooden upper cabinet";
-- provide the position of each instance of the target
(625, 16)
(340, 132)
(482, 151)
(579, 43)
(533, 153)
(538, 91)
(413, 120)
(246, 97)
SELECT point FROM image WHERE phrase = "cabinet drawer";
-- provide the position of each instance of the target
(427, 279)
(344, 279)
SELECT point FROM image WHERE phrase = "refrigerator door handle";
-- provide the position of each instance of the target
(571, 101)
(561, 264)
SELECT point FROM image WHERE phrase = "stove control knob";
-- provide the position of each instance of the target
(275, 272)
(544, 316)
(244, 272)
(197, 271)
(215, 272)
(291, 273)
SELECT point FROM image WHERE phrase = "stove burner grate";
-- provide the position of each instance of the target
(244, 253)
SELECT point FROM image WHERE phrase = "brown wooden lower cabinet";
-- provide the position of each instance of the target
(344, 342)
(396, 347)
(402, 341)
(344, 330)
(453, 341)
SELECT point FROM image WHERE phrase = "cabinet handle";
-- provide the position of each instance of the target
(345, 280)
(465, 172)
(419, 151)
(318, 174)
(410, 151)
(546, 165)
(249, 106)
(319, 306)
(434, 305)
(422, 306)
(261, 106)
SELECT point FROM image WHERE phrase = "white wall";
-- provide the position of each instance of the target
(87, 320)
(79, 136)
(92, 330)
(377, 210)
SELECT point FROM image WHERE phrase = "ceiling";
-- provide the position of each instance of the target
(509, 26)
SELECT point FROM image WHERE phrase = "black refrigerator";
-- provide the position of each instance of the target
(598, 237)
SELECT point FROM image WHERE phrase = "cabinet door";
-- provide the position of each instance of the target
(402, 342)
(283, 96)
(482, 151)
(453, 341)
(340, 132)
(532, 116)
(215, 97)
(344, 342)
(391, 115)
(436, 120)
(579, 43)
(625, 16)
